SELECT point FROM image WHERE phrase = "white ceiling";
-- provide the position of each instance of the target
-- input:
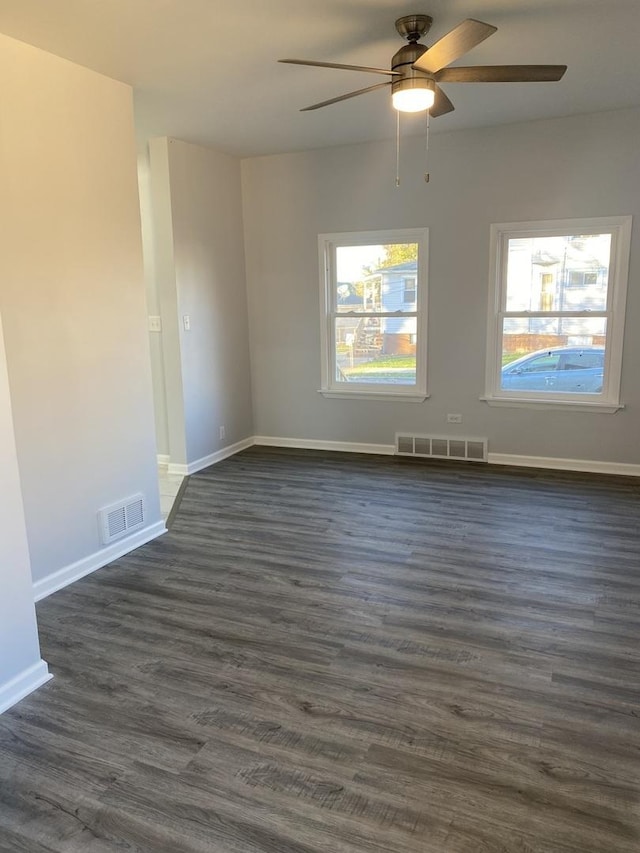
(205, 70)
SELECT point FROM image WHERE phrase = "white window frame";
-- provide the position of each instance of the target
(609, 400)
(327, 245)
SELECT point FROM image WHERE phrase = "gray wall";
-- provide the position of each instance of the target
(199, 267)
(574, 167)
(72, 301)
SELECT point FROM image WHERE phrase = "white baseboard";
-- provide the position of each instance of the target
(589, 466)
(176, 468)
(211, 459)
(163, 460)
(69, 574)
(23, 684)
(317, 444)
(585, 465)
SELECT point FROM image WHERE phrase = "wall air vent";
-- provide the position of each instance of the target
(120, 519)
(442, 447)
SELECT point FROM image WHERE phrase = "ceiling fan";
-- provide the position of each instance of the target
(416, 70)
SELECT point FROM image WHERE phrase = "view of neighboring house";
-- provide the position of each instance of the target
(555, 275)
(397, 292)
(386, 289)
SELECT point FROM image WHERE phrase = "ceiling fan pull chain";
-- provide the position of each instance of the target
(426, 151)
(398, 148)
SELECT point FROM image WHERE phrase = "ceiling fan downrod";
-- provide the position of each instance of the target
(413, 27)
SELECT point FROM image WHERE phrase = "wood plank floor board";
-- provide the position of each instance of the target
(40, 802)
(528, 805)
(347, 653)
(19, 842)
(328, 798)
(111, 718)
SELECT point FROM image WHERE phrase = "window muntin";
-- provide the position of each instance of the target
(373, 287)
(558, 292)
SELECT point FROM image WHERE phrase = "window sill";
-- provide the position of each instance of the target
(394, 396)
(557, 405)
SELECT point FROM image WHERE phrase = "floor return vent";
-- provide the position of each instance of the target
(442, 447)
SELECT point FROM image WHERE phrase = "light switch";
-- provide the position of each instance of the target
(186, 322)
(155, 323)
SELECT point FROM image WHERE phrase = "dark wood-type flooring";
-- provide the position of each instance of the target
(331, 653)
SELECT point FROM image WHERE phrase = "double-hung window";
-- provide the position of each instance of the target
(556, 312)
(373, 294)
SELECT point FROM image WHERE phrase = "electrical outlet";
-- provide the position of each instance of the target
(454, 419)
(155, 323)
(222, 433)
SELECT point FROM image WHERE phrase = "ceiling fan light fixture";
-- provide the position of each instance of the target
(413, 100)
(413, 95)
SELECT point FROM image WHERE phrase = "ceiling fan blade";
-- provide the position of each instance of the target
(345, 97)
(441, 105)
(366, 68)
(501, 74)
(452, 46)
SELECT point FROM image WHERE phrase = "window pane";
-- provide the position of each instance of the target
(553, 355)
(376, 278)
(376, 350)
(567, 273)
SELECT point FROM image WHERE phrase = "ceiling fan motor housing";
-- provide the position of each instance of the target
(411, 78)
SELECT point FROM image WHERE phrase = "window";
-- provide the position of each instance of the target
(373, 302)
(580, 278)
(409, 290)
(556, 312)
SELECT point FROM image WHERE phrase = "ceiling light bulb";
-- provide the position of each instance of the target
(413, 100)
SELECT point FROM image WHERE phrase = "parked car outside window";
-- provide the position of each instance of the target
(577, 370)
